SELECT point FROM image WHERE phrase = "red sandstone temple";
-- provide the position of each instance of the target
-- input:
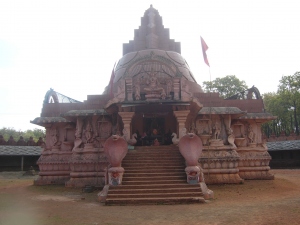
(153, 100)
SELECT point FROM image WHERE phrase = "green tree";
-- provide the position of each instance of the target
(226, 86)
(289, 91)
(35, 133)
(284, 104)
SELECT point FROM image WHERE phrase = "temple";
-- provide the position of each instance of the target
(152, 102)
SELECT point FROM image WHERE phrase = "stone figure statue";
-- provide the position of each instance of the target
(251, 134)
(169, 87)
(153, 91)
(88, 133)
(216, 131)
(137, 93)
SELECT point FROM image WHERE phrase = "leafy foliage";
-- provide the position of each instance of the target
(226, 86)
(36, 133)
(284, 104)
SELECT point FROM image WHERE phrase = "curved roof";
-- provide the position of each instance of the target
(163, 62)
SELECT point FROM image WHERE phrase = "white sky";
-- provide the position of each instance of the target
(71, 46)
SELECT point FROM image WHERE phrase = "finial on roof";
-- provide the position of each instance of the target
(151, 6)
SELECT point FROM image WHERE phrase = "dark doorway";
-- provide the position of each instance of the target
(154, 127)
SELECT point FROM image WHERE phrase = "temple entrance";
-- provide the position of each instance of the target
(155, 132)
(153, 121)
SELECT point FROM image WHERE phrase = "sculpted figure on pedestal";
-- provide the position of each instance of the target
(153, 91)
(216, 131)
(251, 134)
(88, 133)
(169, 87)
(231, 137)
(137, 93)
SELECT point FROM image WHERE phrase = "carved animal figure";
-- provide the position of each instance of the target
(190, 147)
(175, 140)
(133, 140)
(115, 148)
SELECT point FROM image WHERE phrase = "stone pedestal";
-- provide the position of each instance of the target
(54, 167)
(192, 174)
(88, 167)
(239, 141)
(115, 175)
(254, 163)
(205, 138)
(220, 165)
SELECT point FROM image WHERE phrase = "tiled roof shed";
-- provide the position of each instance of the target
(285, 154)
(19, 157)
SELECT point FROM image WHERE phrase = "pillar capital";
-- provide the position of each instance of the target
(181, 117)
(126, 118)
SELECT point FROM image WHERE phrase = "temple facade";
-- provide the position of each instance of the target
(152, 99)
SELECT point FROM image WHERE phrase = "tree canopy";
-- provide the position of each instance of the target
(284, 104)
(226, 86)
(36, 133)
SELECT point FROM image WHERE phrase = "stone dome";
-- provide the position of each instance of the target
(152, 52)
(162, 62)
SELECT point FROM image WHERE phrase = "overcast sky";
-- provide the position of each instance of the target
(71, 46)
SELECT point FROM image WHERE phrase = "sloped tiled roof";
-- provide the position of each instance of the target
(20, 150)
(86, 112)
(283, 145)
(258, 116)
(220, 110)
(43, 120)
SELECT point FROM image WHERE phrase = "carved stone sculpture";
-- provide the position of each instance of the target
(175, 140)
(153, 91)
(115, 148)
(89, 133)
(190, 146)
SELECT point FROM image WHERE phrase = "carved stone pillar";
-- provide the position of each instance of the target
(181, 117)
(176, 88)
(126, 118)
(128, 82)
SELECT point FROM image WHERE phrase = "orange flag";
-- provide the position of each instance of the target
(204, 49)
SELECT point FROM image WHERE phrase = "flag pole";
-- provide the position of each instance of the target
(204, 49)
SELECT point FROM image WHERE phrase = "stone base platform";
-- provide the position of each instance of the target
(254, 163)
(220, 165)
(54, 167)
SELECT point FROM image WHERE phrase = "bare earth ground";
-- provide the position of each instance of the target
(254, 202)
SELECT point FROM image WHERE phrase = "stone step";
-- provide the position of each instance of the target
(161, 156)
(153, 156)
(150, 164)
(152, 161)
(156, 178)
(154, 186)
(155, 195)
(153, 174)
(155, 168)
(143, 182)
(155, 201)
(154, 190)
(154, 151)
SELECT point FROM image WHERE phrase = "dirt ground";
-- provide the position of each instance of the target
(254, 202)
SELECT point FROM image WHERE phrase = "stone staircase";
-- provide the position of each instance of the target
(154, 175)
